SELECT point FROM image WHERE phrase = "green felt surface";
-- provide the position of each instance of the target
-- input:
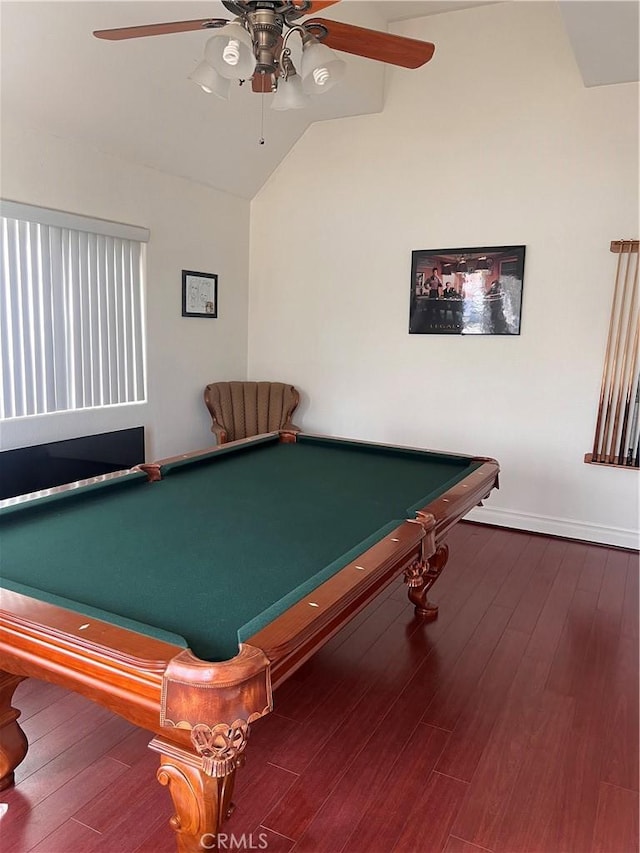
(220, 541)
(85, 611)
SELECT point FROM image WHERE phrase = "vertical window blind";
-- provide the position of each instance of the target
(72, 332)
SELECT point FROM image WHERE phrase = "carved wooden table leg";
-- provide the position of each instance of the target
(199, 759)
(13, 743)
(202, 800)
(420, 576)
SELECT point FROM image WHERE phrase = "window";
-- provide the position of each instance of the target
(71, 312)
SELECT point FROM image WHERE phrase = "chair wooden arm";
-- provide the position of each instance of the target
(219, 432)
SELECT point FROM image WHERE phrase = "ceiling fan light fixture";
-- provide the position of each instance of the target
(290, 95)
(230, 52)
(320, 68)
(210, 81)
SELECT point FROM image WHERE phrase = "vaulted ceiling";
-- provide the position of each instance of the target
(132, 98)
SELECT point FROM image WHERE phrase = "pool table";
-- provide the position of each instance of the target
(180, 593)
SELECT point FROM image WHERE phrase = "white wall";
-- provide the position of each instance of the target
(192, 227)
(495, 142)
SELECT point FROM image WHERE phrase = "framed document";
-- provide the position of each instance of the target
(199, 294)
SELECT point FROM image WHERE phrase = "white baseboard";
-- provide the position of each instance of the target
(567, 528)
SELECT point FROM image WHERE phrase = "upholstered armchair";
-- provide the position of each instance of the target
(242, 409)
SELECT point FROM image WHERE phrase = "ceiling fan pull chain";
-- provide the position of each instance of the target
(261, 140)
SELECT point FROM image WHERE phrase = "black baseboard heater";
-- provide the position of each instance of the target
(42, 466)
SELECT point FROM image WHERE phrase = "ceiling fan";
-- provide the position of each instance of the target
(254, 46)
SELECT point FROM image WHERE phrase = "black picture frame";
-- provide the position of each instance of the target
(467, 291)
(199, 294)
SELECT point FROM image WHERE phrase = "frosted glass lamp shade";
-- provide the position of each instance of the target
(210, 81)
(230, 52)
(289, 95)
(320, 68)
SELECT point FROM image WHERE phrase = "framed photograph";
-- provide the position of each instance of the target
(199, 294)
(474, 291)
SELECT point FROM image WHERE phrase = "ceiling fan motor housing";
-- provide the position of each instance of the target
(266, 27)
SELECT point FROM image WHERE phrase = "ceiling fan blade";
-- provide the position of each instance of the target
(319, 5)
(396, 50)
(159, 29)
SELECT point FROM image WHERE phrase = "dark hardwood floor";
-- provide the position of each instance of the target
(510, 724)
